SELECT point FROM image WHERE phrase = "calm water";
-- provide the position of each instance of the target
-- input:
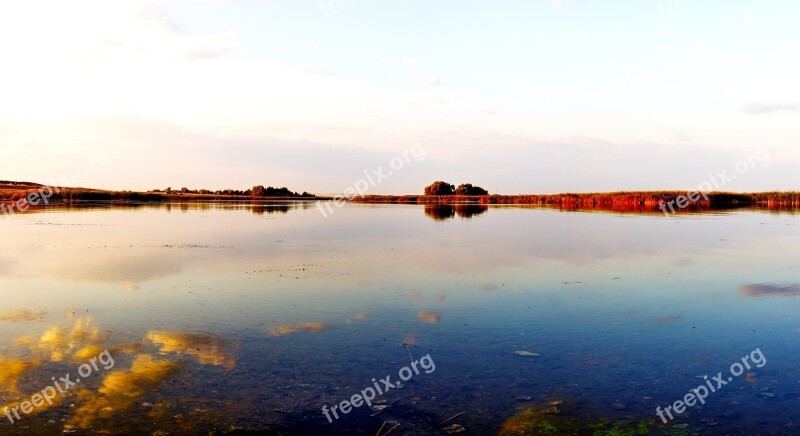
(225, 317)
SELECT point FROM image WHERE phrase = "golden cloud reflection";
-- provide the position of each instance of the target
(46, 405)
(429, 316)
(10, 372)
(116, 390)
(122, 389)
(312, 327)
(58, 343)
(757, 290)
(23, 315)
(207, 348)
(361, 316)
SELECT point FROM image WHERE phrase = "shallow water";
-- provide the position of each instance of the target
(221, 317)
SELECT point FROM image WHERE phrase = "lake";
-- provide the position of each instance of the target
(251, 318)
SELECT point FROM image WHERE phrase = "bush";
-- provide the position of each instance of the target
(439, 188)
(468, 189)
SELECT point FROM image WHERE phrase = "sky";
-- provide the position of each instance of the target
(516, 96)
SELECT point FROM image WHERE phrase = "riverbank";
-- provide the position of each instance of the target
(21, 191)
(623, 201)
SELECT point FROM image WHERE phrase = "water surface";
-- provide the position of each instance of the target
(223, 316)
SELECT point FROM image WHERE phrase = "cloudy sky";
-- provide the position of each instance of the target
(518, 96)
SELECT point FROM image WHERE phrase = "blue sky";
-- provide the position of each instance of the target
(516, 96)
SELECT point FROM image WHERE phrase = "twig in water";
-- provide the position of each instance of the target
(381, 429)
(390, 404)
(384, 425)
(410, 357)
(450, 418)
(392, 429)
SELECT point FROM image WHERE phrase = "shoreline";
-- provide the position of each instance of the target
(622, 201)
(19, 193)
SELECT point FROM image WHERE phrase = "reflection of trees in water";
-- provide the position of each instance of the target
(260, 209)
(182, 206)
(470, 210)
(441, 212)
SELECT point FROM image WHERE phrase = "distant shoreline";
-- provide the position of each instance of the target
(16, 191)
(643, 201)
(633, 201)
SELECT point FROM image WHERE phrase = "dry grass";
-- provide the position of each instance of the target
(646, 201)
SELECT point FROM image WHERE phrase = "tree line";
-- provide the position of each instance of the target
(443, 188)
(255, 191)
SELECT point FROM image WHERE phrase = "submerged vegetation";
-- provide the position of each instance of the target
(560, 418)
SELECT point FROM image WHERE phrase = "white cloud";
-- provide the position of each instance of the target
(113, 33)
(430, 83)
(204, 47)
(761, 108)
(317, 72)
(160, 19)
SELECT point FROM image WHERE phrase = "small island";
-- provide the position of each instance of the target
(668, 201)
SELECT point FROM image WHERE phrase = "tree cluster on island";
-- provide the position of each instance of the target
(443, 188)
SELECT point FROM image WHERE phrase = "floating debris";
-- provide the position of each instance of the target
(380, 430)
(552, 410)
(410, 357)
(526, 354)
(453, 429)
